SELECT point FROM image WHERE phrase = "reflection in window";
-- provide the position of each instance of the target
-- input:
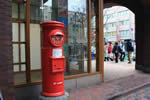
(75, 48)
(77, 37)
(14, 10)
(93, 39)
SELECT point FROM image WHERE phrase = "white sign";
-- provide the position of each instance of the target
(57, 53)
(57, 83)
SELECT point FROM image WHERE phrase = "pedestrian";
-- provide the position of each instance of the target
(122, 46)
(130, 49)
(110, 51)
(105, 52)
(134, 52)
(116, 51)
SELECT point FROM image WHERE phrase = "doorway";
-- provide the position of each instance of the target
(119, 29)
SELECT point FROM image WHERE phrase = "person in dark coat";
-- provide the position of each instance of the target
(130, 49)
(116, 51)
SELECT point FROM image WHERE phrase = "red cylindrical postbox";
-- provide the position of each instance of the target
(53, 61)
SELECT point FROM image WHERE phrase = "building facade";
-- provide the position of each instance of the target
(120, 21)
(20, 56)
(26, 42)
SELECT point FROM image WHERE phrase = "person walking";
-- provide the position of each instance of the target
(116, 51)
(105, 52)
(122, 46)
(130, 49)
(110, 51)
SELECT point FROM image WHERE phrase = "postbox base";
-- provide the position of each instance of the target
(63, 97)
(53, 94)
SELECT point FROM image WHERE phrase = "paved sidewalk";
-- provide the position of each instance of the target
(140, 94)
(113, 71)
(113, 87)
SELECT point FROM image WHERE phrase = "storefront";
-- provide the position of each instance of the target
(83, 31)
(20, 42)
(80, 20)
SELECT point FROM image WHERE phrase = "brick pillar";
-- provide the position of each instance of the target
(142, 39)
(146, 42)
(139, 25)
(6, 59)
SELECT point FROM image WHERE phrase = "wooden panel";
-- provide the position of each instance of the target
(28, 68)
(19, 46)
(17, 20)
(19, 42)
(19, 63)
(89, 36)
(18, 1)
(80, 75)
(99, 38)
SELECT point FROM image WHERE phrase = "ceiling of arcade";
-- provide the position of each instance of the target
(145, 2)
(124, 2)
(133, 5)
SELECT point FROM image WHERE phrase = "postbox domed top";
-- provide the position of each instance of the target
(52, 23)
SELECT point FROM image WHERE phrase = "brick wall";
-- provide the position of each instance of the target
(6, 68)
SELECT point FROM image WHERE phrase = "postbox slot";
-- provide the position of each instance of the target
(57, 64)
(57, 39)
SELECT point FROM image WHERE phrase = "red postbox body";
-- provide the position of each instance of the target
(53, 61)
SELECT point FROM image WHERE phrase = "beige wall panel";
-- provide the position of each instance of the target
(35, 46)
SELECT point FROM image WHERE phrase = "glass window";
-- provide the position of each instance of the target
(18, 40)
(113, 24)
(127, 22)
(127, 32)
(73, 13)
(18, 10)
(77, 38)
(120, 33)
(108, 33)
(121, 23)
(22, 32)
(36, 16)
(15, 32)
(104, 34)
(14, 10)
(105, 17)
(35, 11)
(75, 46)
(114, 33)
(22, 10)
